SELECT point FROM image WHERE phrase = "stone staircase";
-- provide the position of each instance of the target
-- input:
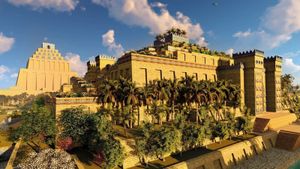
(288, 141)
(273, 121)
(289, 137)
(260, 125)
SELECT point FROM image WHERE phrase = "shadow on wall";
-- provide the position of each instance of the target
(5, 156)
(245, 150)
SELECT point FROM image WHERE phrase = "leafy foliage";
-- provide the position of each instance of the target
(37, 120)
(290, 94)
(220, 129)
(113, 153)
(84, 128)
(72, 124)
(244, 122)
(164, 140)
(193, 135)
(93, 131)
(157, 142)
(194, 111)
(17, 100)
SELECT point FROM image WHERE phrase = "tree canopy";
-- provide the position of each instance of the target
(36, 120)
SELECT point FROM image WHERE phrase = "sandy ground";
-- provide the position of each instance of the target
(271, 159)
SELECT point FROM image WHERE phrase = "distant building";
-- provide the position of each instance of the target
(46, 71)
(172, 56)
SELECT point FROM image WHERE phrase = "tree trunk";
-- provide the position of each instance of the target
(145, 161)
(212, 115)
(197, 114)
(139, 114)
(173, 109)
(131, 118)
(159, 120)
(125, 130)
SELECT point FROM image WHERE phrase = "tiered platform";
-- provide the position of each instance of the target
(273, 121)
(289, 137)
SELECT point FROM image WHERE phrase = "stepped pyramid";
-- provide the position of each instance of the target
(46, 71)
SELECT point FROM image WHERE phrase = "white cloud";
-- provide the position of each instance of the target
(158, 5)
(290, 67)
(6, 43)
(108, 40)
(59, 5)
(229, 51)
(76, 64)
(241, 34)
(277, 26)
(292, 54)
(140, 13)
(3, 71)
(82, 8)
(14, 75)
(283, 18)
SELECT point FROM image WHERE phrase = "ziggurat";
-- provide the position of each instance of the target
(172, 56)
(46, 71)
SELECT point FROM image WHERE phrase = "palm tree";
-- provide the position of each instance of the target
(216, 96)
(158, 112)
(173, 87)
(131, 96)
(141, 101)
(107, 92)
(200, 98)
(210, 98)
(187, 91)
(158, 89)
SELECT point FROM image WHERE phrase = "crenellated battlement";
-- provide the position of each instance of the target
(248, 53)
(273, 58)
(105, 57)
(91, 64)
(231, 67)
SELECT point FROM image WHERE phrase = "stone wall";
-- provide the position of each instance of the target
(231, 155)
(90, 103)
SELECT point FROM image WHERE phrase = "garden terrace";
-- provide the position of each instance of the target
(182, 116)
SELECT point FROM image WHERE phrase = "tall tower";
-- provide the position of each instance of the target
(46, 71)
(254, 74)
(273, 83)
(102, 61)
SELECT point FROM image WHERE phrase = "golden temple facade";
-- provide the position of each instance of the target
(174, 57)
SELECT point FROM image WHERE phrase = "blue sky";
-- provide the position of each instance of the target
(84, 28)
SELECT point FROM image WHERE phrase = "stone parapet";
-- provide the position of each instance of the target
(76, 100)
